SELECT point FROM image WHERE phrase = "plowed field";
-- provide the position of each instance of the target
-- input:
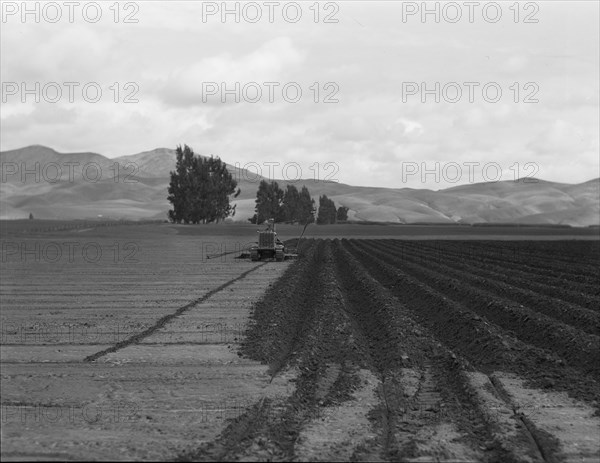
(428, 351)
(130, 343)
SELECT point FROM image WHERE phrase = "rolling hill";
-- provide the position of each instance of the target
(53, 185)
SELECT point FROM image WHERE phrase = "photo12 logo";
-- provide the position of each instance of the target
(268, 92)
(290, 171)
(462, 12)
(44, 332)
(454, 92)
(120, 411)
(69, 92)
(216, 333)
(215, 251)
(70, 171)
(70, 12)
(453, 172)
(255, 12)
(52, 252)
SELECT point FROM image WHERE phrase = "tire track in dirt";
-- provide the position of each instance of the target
(536, 436)
(136, 338)
(299, 324)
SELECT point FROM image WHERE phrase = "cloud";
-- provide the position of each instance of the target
(411, 127)
(563, 138)
(367, 55)
(215, 76)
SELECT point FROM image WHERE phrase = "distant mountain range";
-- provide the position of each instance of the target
(53, 185)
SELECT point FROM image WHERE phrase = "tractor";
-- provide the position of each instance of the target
(269, 246)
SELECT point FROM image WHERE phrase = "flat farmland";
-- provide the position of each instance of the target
(430, 351)
(128, 342)
(119, 342)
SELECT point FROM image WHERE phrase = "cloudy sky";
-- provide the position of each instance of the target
(517, 86)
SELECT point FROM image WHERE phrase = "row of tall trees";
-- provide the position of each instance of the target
(328, 213)
(200, 189)
(291, 205)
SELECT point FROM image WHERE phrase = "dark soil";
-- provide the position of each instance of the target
(442, 308)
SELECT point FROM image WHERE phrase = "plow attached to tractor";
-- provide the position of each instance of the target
(269, 246)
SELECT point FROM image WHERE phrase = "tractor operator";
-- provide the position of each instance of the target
(271, 228)
(270, 225)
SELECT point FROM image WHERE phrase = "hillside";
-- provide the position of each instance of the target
(89, 185)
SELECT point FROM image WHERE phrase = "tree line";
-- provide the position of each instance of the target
(293, 206)
(200, 190)
(328, 213)
(290, 206)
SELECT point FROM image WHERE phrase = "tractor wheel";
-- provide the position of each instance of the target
(279, 256)
(254, 256)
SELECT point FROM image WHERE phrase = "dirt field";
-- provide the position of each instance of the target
(363, 349)
(429, 351)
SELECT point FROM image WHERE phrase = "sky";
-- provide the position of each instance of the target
(365, 93)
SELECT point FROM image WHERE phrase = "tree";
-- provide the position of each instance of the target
(327, 211)
(219, 185)
(332, 211)
(200, 189)
(179, 187)
(306, 206)
(342, 214)
(291, 204)
(269, 202)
